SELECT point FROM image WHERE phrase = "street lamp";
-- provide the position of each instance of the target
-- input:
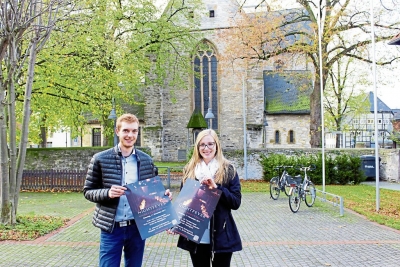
(113, 116)
(265, 124)
(209, 114)
(383, 130)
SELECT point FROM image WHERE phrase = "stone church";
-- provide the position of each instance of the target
(263, 105)
(255, 107)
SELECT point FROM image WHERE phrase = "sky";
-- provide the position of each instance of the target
(387, 80)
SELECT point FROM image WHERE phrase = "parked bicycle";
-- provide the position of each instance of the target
(302, 191)
(280, 183)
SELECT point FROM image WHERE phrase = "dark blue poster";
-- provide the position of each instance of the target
(152, 209)
(195, 205)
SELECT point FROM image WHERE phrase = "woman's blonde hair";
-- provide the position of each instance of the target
(223, 163)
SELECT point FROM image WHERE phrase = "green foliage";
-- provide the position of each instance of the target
(341, 169)
(105, 50)
(30, 227)
(348, 170)
(271, 161)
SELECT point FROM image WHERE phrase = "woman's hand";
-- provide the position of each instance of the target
(209, 182)
(171, 232)
(168, 193)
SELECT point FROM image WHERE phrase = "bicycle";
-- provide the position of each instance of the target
(278, 184)
(302, 191)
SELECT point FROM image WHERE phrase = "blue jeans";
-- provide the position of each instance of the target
(126, 238)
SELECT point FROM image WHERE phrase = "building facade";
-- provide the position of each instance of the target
(236, 96)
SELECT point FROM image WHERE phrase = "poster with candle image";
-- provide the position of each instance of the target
(194, 206)
(151, 208)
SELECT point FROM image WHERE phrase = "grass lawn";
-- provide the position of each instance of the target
(174, 166)
(362, 199)
(43, 212)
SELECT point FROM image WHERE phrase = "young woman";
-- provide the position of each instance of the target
(209, 166)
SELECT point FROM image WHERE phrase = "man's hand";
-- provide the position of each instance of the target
(116, 191)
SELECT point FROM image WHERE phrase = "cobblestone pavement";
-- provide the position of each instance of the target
(272, 236)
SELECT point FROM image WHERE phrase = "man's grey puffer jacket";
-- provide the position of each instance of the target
(105, 170)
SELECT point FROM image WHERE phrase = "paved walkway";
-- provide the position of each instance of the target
(272, 236)
(384, 184)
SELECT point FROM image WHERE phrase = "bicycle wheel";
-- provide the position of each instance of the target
(310, 194)
(274, 188)
(287, 187)
(295, 200)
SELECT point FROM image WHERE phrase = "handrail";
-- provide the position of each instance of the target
(335, 200)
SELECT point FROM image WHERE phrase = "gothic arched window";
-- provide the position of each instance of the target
(205, 81)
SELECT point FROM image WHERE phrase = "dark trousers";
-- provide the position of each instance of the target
(202, 257)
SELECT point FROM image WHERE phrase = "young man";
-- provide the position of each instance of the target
(107, 174)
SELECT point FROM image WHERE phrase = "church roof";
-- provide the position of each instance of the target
(287, 92)
(197, 120)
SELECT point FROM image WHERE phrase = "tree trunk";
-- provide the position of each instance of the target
(337, 140)
(12, 129)
(43, 136)
(26, 20)
(4, 170)
(25, 122)
(315, 115)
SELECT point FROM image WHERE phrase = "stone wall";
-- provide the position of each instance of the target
(79, 158)
(60, 158)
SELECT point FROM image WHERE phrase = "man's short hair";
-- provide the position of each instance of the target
(129, 118)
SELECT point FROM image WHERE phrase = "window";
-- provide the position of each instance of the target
(356, 121)
(370, 121)
(96, 137)
(191, 14)
(205, 81)
(291, 137)
(212, 13)
(277, 137)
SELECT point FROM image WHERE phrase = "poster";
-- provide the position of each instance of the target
(152, 209)
(195, 205)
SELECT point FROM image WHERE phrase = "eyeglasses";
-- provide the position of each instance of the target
(209, 145)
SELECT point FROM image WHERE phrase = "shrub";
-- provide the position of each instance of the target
(343, 169)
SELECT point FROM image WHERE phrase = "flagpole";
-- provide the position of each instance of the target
(319, 20)
(375, 108)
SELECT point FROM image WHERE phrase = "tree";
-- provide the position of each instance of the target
(343, 101)
(25, 28)
(345, 33)
(98, 50)
(103, 51)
